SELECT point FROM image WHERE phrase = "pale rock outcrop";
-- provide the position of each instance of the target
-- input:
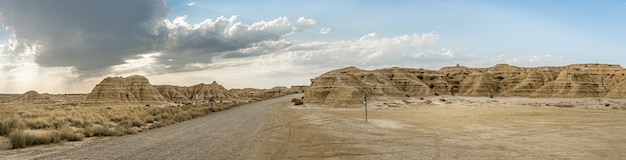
(260, 94)
(131, 90)
(196, 93)
(344, 87)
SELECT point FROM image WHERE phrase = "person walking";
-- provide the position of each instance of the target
(212, 101)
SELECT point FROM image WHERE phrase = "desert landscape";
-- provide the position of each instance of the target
(501, 112)
(350, 79)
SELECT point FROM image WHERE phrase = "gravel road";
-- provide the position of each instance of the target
(228, 134)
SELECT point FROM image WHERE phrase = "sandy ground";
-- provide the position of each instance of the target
(459, 128)
(227, 134)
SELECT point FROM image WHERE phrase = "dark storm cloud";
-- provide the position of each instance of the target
(86, 34)
(93, 35)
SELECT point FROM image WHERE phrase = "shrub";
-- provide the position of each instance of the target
(99, 131)
(297, 101)
(68, 134)
(133, 123)
(19, 139)
(22, 139)
(6, 127)
(38, 124)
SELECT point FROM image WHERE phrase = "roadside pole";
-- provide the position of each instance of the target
(365, 103)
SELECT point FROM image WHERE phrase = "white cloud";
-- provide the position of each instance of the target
(443, 52)
(368, 51)
(325, 30)
(223, 37)
(304, 24)
(190, 4)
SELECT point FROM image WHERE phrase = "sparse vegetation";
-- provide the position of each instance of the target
(6, 126)
(22, 139)
(564, 105)
(28, 125)
(297, 101)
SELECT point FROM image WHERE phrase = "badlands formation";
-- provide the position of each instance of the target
(137, 90)
(344, 87)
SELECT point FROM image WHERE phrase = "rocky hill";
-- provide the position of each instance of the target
(33, 97)
(129, 90)
(344, 87)
(200, 92)
(260, 94)
(137, 90)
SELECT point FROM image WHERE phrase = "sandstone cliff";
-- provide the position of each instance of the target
(129, 90)
(260, 94)
(344, 87)
(203, 92)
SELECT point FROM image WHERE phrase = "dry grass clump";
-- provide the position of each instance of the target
(22, 139)
(6, 126)
(25, 138)
(28, 125)
(99, 131)
(67, 133)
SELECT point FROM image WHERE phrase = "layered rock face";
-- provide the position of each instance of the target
(200, 92)
(129, 90)
(344, 87)
(260, 94)
(297, 89)
(32, 97)
(137, 90)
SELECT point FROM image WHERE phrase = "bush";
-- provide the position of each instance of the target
(68, 134)
(19, 139)
(6, 127)
(99, 131)
(22, 139)
(297, 101)
(132, 123)
(38, 124)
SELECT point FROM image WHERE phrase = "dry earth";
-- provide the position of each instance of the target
(458, 128)
(223, 135)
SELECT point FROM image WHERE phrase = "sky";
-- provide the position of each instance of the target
(68, 46)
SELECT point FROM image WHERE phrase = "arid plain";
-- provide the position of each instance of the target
(501, 112)
(459, 128)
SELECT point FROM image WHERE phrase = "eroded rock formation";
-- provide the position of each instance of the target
(129, 90)
(200, 92)
(32, 97)
(344, 87)
(137, 90)
(260, 94)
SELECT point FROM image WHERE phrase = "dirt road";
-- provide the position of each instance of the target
(222, 135)
(460, 128)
